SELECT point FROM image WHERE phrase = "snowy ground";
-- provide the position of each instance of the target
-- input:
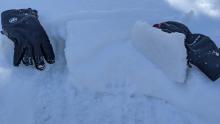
(100, 77)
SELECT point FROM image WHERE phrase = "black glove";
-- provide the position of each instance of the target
(30, 39)
(201, 50)
(172, 26)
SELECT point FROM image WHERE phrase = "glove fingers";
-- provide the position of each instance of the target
(39, 59)
(48, 52)
(18, 55)
(27, 59)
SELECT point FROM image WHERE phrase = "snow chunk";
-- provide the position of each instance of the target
(165, 50)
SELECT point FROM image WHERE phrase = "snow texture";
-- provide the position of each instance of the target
(167, 51)
(99, 76)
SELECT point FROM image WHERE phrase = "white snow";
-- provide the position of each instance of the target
(165, 50)
(100, 77)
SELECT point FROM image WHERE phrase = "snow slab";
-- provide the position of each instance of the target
(165, 50)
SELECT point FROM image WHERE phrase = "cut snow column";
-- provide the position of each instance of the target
(165, 50)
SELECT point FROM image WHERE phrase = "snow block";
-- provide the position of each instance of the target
(165, 50)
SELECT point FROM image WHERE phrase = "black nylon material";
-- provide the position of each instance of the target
(30, 39)
(201, 50)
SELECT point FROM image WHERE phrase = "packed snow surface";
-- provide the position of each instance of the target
(104, 72)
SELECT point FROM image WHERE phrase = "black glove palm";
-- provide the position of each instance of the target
(30, 39)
